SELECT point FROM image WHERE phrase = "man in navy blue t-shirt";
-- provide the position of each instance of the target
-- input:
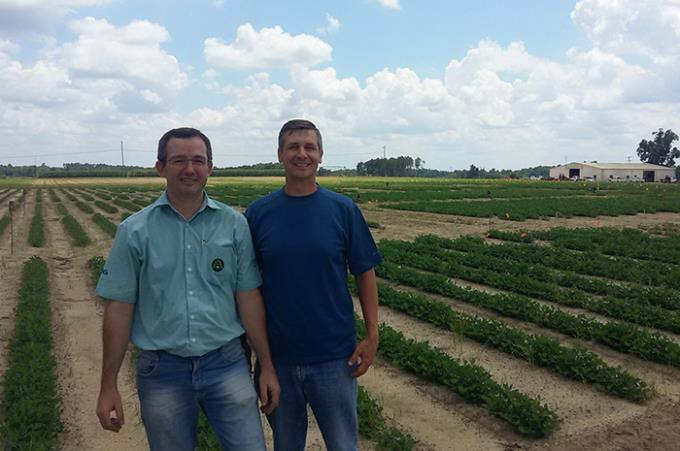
(306, 237)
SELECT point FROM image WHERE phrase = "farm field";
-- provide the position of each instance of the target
(516, 315)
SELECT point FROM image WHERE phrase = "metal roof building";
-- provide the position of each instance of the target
(633, 172)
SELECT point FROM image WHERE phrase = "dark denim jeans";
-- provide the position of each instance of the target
(331, 393)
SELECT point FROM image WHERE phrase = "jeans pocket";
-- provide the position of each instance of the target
(147, 362)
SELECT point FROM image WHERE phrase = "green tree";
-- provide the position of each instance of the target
(659, 150)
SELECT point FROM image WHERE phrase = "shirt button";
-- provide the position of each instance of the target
(191, 293)
(188, 246)
(191, 316)
(193, 340)
(189, 269)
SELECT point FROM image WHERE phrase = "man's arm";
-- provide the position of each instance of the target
(368, 298)
(116, 335)
(251, 311)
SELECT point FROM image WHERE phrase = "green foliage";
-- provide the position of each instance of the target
(30, 410)
(473, 383)
(660, 150)
(75, 231)
(374, 426)
(104, 223)
(96, 265)
(36, 234)
(85, 208)
(125, 204)
(643, 343)
(106, 207)
(574, 363)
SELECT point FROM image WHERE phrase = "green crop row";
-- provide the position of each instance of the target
(104, 223)
(102, 195)
(53, 196)
(30, 410)
(75, 231)
(591, 263)
(472, 382)
(69, 195)
(622, 337)
(626, 242)
(106, 207)
(520, 260)
(472, 267)
(374, 426)
(125, 204)
(538, 208)
(36, 234)
(574, 363)
(85, 208)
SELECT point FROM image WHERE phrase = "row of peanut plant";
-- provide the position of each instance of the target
(473, 383)
(576, 363)
(527, 261)
(36, 234)
(73, 228)
(30, 409)
(620, 336)
(627, 242)
(430, 256)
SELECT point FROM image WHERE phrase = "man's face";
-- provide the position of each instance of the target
(186, 167)
(300, 154)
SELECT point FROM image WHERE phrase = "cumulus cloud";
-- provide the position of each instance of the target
(645, 27)
(267, 48)
(332, 24)
(391, 4)
(131, 52)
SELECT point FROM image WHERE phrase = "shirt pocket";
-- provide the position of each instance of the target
(222, 265)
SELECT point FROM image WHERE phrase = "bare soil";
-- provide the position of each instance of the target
(436, 417)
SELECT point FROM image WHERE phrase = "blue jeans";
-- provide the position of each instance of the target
(172, 389)
(330, 391)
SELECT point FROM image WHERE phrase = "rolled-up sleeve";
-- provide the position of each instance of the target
(248, 273)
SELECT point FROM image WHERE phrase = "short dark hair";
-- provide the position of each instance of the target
(298, 124)
(181, 133)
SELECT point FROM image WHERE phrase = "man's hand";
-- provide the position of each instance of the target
(363, 355)
(110, 409)
(269, 390)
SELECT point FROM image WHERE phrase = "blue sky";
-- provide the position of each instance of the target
(491, 83)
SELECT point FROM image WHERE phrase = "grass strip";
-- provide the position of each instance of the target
(574, 363)
(31, 404)
(472, 382)
(126, 204)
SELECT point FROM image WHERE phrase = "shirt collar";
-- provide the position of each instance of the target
(207, 202)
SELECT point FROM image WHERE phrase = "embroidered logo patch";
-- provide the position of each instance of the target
(217, 265)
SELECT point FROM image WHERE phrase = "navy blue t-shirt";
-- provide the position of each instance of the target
(304, 246)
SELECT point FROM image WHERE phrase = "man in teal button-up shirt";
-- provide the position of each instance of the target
(182, 283)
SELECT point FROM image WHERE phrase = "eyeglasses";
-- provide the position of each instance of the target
(182, 162)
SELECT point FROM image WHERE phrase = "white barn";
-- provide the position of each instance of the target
(629, 172)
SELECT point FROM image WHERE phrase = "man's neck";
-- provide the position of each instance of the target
(186, 206)
(300, 188)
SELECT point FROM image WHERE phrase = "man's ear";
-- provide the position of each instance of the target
(210, 167)
(160, 168)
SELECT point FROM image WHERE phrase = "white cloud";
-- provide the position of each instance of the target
(391, 4)
(7, 46)
(646, 27)
(332, 24)
(131, 52)
(267, 48)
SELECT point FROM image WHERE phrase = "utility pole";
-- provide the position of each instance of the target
(122, 157)
(385, 152)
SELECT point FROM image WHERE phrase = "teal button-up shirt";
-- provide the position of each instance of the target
(181, 275)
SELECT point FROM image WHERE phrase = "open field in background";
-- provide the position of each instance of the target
(516, 314)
